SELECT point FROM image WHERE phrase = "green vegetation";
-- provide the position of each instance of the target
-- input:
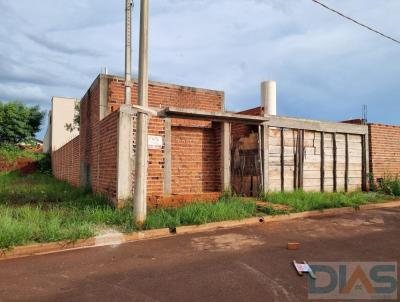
(391, 186)
(37, 208)
(19, 122)
(200, 213)
(10, 153)
(302, 201)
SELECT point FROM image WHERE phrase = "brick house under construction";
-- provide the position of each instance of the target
(197, 150)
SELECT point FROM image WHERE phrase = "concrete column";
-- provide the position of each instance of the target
(103, 96)
(268, 102)
(268, 97)
(140, 199)
(367, 162)
(226, 156)
(265, 157)
(124, 158)
(168, 158)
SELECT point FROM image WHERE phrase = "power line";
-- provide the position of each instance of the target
(355, 21)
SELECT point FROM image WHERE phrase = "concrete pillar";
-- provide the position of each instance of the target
(268, 102)
(268, 97)
(103, 96)
(265, 156)
(226, 156)
(124, 158)
(168, 158)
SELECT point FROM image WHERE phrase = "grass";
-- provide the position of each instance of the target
(37, 208)
(302, 201)
(200, 213)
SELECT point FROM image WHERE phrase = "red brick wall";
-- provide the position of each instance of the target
(164, 95)
(195, 160)
(205, 140)
(384, 150)
(155, 176)
(104, 169)
(89, 128)
(66, 161)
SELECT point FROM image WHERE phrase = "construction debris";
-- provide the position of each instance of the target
(302, 268)
(293, 246)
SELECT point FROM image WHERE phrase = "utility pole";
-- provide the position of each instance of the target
(128, 51)
(140, 193)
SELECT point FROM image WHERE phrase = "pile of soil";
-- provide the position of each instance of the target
(24, 165)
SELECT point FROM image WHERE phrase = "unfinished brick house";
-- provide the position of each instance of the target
(197, 150)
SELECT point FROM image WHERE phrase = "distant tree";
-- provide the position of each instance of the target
(76, 123)
(19, 122)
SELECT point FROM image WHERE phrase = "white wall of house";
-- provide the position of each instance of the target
(62, 113)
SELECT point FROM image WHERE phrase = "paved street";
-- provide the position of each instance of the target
(243, 264)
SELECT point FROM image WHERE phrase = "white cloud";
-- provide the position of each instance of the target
(326, 67)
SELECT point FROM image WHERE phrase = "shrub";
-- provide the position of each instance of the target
(44, 164)
(391, 186)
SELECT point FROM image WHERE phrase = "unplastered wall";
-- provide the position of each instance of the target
(155, 176)
(98, 144)
(104, 163)
(195, 145)
(66, 162)
(312, 161)
(89, 128)
(165, 95)
(384, 150)
(196, 160)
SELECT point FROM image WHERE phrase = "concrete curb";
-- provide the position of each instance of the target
(116, 239)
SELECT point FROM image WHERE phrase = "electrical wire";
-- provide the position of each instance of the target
(357, 22)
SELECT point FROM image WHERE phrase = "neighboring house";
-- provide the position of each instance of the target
(62, 113)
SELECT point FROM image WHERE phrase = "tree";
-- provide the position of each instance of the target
(19, 122)
(75, 125)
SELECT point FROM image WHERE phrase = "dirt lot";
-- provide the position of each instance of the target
(243, 264)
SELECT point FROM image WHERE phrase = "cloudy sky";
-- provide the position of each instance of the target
(325, 66)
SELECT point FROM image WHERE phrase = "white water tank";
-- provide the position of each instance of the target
(268, 97)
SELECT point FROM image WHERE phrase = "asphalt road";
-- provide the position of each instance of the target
(242, 264)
